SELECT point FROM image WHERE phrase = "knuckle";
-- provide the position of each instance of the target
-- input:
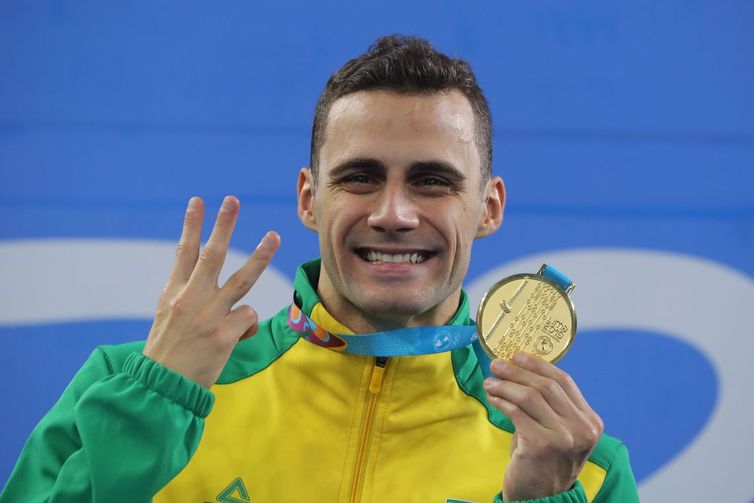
(164, 297)
(240, 283)
(529, 396)
(565, 379)
(211, 257)
(181, 248)
(569, 442)
(586, 437)
(179, 306)
(224, 218)
(551, 387)
(593, 437)
(598, 428)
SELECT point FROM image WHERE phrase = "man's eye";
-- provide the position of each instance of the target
(434, 186)
(358, 179)
(433, 183)
(357, 183)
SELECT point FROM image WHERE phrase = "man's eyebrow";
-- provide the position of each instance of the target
(365, 163)
(434, 167)
(437, 168)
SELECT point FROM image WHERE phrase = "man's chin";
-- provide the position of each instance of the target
(396, 312)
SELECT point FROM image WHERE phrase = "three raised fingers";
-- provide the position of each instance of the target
(204, 268)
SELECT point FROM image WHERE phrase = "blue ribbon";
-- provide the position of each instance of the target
(398, 342)
(419, 341)
(557, 277)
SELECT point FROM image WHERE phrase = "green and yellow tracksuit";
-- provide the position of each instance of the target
(286, 421)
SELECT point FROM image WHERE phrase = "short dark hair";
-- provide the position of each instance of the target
(405, 65)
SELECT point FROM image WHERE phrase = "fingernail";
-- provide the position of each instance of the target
(226, 203)
(266, 241)
(498, 365)
(487, 383)
(520, 357)
(193, 203)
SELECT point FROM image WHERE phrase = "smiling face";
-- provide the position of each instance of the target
(397, 203)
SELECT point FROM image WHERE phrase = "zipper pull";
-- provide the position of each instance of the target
(375, 385)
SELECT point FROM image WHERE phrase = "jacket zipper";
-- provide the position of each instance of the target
(375, 385)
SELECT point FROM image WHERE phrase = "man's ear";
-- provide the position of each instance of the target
(494, 207)
(305, 194)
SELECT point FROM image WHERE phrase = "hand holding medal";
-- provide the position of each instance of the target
(526, 323)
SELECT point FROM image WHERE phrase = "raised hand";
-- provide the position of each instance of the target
(196, 327)
(556, 430)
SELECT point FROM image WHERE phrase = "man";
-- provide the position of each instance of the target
(398, 189)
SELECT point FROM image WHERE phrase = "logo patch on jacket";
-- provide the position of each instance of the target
(235, 493)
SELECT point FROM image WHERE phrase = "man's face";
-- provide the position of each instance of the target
(397, 204)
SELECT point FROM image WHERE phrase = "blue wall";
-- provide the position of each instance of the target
(624, 131)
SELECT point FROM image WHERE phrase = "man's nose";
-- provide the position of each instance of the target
(394, 211)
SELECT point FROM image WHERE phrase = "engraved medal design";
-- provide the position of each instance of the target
(529, 313)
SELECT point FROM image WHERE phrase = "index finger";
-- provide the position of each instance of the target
(187, 250)
(243, 279)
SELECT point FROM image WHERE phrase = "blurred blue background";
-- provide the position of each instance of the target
(619, 126)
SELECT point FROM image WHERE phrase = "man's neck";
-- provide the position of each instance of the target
(361, 322)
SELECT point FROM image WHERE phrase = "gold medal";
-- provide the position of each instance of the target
(528, 313)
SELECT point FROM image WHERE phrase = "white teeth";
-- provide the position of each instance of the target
(410, 258)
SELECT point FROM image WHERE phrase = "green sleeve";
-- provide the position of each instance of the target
(115, 435)
(574, 495)
(619, 484)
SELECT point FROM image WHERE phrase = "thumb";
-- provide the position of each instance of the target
(240, 323)
(250, 332)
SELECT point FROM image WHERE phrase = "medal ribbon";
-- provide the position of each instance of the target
(399, 342)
